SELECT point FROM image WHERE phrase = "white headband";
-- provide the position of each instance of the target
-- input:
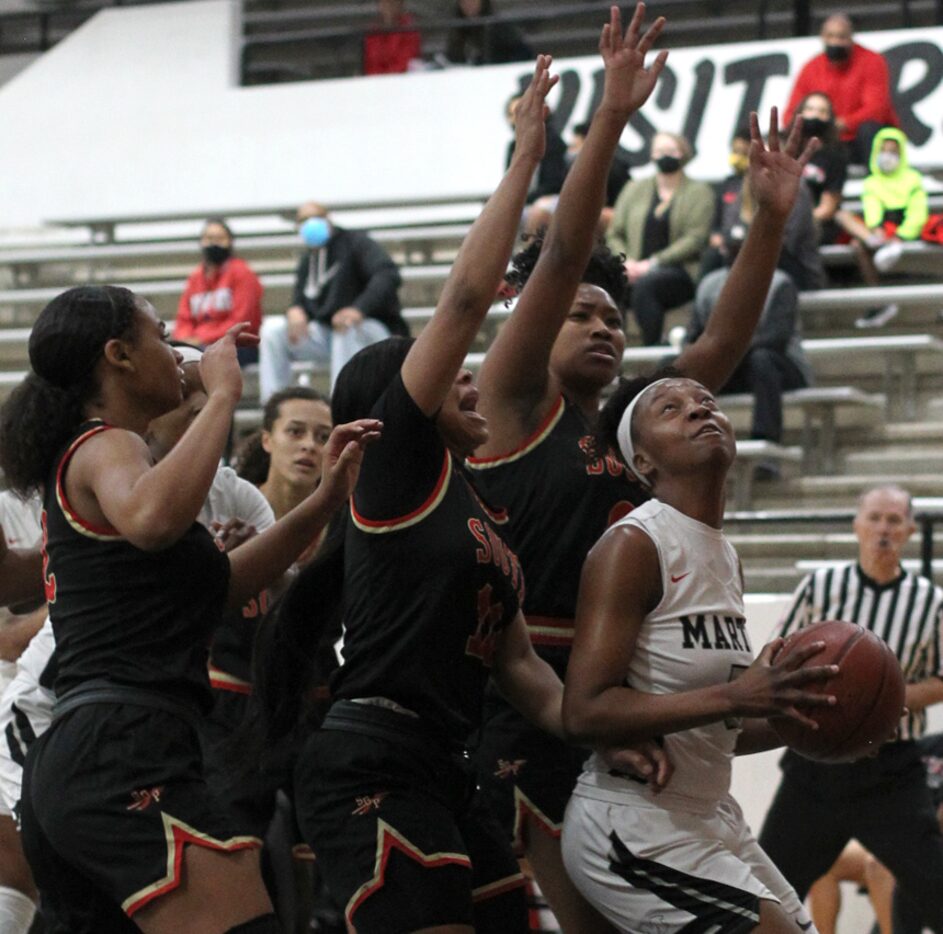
(624, 432)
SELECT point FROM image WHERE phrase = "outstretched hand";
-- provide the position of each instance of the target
(777, 686)
(776, 172)
(530, 117)
(628, 82)
(343, 455)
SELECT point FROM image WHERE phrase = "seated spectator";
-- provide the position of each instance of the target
(221, 291)
(827, 169)
(894, 208)
(620, 172)
(726, 192)
(774, 361)
(799, 257)
(484, 43)
(661, 224)
(345, 299)
(855, 79)
(392, 42)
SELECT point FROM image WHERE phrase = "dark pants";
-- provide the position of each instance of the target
(885, 804)
(767, 374)
(660, 290)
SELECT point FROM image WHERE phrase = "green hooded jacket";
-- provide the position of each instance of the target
(900, 190)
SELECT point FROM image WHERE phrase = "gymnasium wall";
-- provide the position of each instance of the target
(138, 113)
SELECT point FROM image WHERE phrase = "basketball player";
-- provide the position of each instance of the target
(883, 802)
(383, 792)
(661, 652)
(541, 386)
(135, 586)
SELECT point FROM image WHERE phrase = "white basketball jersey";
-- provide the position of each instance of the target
(696, 637)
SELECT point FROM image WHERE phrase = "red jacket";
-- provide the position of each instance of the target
(386, 53)
(859, 88)
(211, 305)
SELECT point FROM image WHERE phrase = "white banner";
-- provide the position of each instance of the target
(137, 114)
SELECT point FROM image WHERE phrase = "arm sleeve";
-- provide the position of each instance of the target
(874, 102)
(403, 471)
(301, 275)
(872, 208)
(381, 278)
(183, 326)
(916, 212)
(798, 92)
(246, 298)
(617, 236)
(778, 321)
(696, 230)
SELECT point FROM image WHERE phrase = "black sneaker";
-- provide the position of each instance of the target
(878, 317)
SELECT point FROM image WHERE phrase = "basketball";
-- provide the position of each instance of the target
(869, 689)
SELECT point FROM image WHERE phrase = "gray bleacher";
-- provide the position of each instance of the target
(874, 413)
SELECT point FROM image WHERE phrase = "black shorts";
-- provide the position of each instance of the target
(525, 774)
(396, 828)
(246, 788)
(112, 793)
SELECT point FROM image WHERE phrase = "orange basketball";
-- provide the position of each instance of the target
(869, 688)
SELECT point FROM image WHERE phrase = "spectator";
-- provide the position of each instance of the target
(799, 257)
(826, 171)
(221, 291)
(883, 801)
(552, 171)
(726, 192)
(392, 42)
(661, 224)
(491, 43)
(894, 207)
(774, 361)
(855, 79)
(345, 299)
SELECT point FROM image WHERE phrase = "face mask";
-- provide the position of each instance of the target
(668, 165)
(739, 162)
(888, 161)
(837, 53)
(216, 255)
(315, 232)
(813, 126)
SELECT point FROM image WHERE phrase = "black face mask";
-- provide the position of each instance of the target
(837, 53)
(216, 255)
(813, 126)
(668, 165)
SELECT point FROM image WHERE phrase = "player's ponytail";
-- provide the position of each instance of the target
(65, 345)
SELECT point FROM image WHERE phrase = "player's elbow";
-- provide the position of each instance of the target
(579, 723)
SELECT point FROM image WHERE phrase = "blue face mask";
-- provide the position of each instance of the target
(315, 232)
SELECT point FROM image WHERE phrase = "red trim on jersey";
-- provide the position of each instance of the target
(550, 630)
(73, 517)
(554, 413)
(223, 681)
(418, 511)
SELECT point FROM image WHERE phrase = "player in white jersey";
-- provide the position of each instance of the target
(661, 652)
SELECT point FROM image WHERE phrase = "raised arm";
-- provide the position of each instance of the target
(153, 505)
(434, 360)
(514, 376)
(261, 560)
(775, 175)
(598, 709)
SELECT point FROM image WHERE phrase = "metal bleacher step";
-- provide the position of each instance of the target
(894, 459)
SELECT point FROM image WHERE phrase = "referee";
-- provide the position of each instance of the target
(883, 801)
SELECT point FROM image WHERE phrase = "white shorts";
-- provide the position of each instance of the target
(656, 869)
(25, 714)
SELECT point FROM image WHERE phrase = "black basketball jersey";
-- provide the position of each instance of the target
(429, 583)
(133, 617)
(559, 500)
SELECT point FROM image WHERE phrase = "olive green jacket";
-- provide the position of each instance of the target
(689, 223)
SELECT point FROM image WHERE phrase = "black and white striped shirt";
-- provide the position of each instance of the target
(905, 613)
